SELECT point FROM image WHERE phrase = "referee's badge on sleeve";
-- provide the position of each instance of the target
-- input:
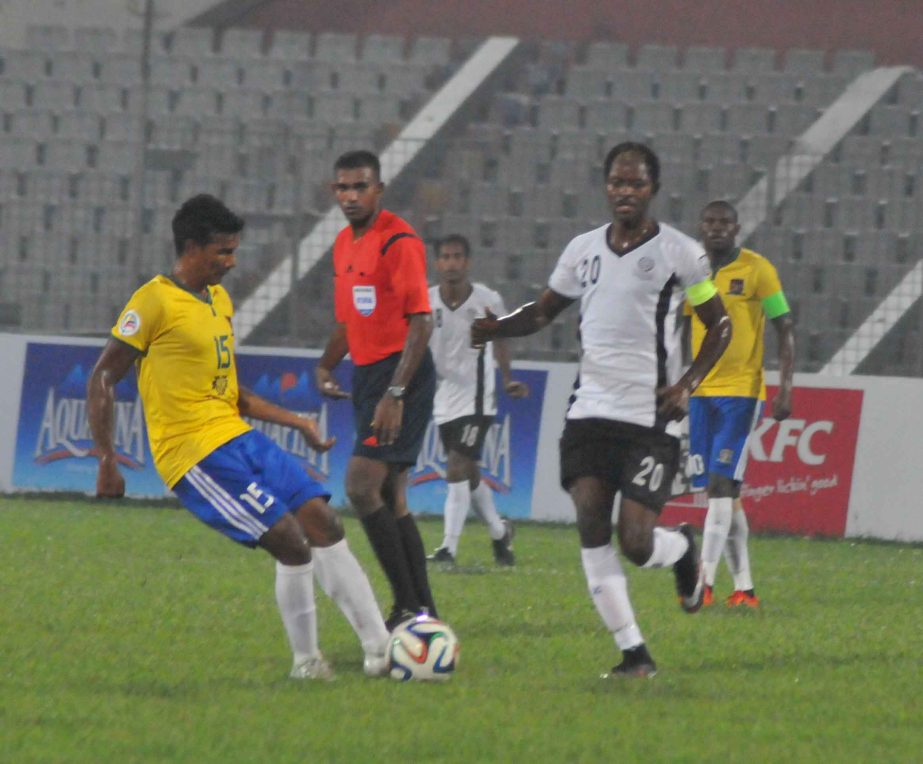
(364, 299)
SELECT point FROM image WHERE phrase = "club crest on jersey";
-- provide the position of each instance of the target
(364, 300)
(130, 323)
(736, 287)
(644, 267)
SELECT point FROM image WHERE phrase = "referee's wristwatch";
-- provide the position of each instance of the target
(397, 392)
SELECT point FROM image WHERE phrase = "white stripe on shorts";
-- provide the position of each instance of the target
(229, 508)
(745, 451)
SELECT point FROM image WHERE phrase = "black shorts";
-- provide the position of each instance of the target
(369, 385)
(465, 435)
(638, 461)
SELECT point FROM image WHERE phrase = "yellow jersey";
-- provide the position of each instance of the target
(750, 290)
(187, 375)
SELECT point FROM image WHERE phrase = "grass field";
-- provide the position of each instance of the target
(132, 634)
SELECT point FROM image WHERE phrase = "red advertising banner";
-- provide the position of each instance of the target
(799, 471)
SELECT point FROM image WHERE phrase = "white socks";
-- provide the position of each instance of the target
(669, 546)
(715, 535)
(609, 590)
(738, 556)
(343, 580)
(295, 597)
(484, 505)
(457, 501)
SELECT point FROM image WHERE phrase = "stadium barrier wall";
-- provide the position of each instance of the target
(845, 464)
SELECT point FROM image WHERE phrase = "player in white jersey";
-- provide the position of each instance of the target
(466, 399)
(629, 276)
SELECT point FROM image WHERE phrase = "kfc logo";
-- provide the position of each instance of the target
(770, 440)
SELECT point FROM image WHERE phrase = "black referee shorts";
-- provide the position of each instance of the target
(370, 383)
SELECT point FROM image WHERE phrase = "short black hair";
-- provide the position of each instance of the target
(200, 218)
(645, 152)
(720, 204)
(355, 160)
(455, 238)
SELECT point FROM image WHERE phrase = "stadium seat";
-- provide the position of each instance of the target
(430, 51)
(747, 118)
(681, 87)
(174, 132)
(56, 96)
(95, 40)
(725, 87)
(241, 43)
(889, 121)
(290, 45)
(383, 48)
(122, 69)
(605, 114)
(586, 83)
(851, 63)
(703, 59)
(633, 85)
(30, 66)
(754, 60)
(651, 117)
(334, 108)
(266, 75)
(102, 98)
(661, 58)
(242, 102)
(75, 66)
(822, 89)
(771, 88)
(718, 148)
(35, 123)
(792, 119)
(47, 37)
(171, 71)
(193, 101)
(559, 112)
(698, 118)
(607, 56)
(359, 78)
(223, 73)
(335, 47)
(117, 157)
(193, 42)
(133, 42)
(803, 61)
(292, 104)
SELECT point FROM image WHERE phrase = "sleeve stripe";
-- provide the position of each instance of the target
(701, 292)
(776, 305)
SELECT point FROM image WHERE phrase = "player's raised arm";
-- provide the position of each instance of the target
(113, 364)
(525, 320)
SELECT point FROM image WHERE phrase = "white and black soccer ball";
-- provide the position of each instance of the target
(423, 649)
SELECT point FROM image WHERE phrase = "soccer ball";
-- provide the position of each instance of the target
(424, 649)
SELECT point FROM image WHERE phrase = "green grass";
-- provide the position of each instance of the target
(130, 633)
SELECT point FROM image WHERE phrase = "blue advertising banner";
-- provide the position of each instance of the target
(54, 449)
(53, 442)
(508, 463)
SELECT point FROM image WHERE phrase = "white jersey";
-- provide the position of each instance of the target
(466, 377)
(630, 320)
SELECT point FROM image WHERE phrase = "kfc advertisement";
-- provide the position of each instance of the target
(799, 471)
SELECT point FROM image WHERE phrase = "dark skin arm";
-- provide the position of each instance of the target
(113, 364)
(334, 353)
(525, 320)
(502, 355)
(386, 423)
(785, 332)
(674, 400)
(252, 405)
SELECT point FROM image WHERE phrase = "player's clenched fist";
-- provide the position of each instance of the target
(483, 330)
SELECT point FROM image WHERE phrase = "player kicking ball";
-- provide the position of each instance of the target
(177, 331)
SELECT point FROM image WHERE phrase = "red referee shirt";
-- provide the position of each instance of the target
(379, 280)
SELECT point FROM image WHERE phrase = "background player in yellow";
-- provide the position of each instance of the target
(177, 331)
(727, 405)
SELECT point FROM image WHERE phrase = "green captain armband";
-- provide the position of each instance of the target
(701, 292)
(776, 305)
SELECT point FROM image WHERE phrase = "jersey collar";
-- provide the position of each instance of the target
(207, 299)
(654, 231)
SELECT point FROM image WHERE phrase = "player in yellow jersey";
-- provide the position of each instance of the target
(177, 331)
(727, 405)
